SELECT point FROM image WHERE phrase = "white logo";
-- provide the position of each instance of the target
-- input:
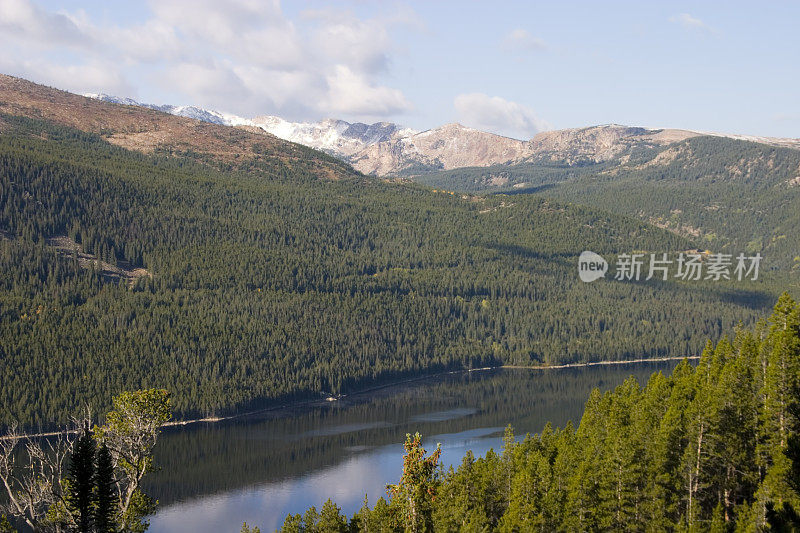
(692, 265)
(591, 266)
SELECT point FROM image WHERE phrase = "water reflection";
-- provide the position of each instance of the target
(259, 469)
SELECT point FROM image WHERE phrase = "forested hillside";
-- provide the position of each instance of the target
(274, 282)
(711, 448)
(729, 195)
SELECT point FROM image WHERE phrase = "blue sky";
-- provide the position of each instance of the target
(514, 68)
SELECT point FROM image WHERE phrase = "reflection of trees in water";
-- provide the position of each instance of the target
(206, 459)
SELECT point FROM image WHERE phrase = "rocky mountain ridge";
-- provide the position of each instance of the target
(385, 148)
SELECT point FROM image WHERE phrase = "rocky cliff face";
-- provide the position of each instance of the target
(454, 146)
(598, 143)
(446, 147)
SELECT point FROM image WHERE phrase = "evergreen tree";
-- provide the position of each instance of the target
(413, 494)
(331, 519)
(292, 524)
(785, 517)
(100, 490)
(105, 497)
(81, 478)
(310, 521)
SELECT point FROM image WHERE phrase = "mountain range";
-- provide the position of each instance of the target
(385, 148)
(727, 193)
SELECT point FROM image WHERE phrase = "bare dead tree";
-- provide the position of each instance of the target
(33, 478)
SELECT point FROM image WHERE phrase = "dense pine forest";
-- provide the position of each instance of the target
(268, 280)
(240, 259)
(728, 194)
(710, 448)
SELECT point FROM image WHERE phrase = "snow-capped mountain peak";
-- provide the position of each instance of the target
(334, 136)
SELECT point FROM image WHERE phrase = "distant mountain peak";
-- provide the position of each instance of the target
(335, 136)
(113, 99)
(384, 148)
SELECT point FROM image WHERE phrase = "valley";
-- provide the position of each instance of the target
(399, 267)
(270, 281)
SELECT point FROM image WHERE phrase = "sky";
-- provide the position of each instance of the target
(513, 68)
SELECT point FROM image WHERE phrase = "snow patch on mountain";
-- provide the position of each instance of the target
(336, 137)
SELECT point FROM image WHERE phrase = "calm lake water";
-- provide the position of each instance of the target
(259, 469)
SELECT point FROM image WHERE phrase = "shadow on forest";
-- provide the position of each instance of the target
(534, 189)
(749, 299)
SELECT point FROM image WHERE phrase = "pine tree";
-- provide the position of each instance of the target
(331, 519)
(786, 517)
(105, 498)
(777, 423)
(81, 477)
(310, 520)
(414, 493)
(734, 447)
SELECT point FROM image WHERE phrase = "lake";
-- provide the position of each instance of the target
(260, 468)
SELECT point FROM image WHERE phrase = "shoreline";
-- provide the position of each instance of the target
(323, 401)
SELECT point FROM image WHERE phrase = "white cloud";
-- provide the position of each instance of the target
(520, 40)
(689, 22)
(71, 77)
(284, 86)
(26, 22)
(241, 56)
(206, 82)
(150, 42)
(220, 23)
(497, 115)
(351, 94)
(343, 38)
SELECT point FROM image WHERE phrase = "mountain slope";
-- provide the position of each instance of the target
(729, 195)
(454, 146)
(155, 132)
(197, 113)
(269, 284)
(597, 144)
(733, 196)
